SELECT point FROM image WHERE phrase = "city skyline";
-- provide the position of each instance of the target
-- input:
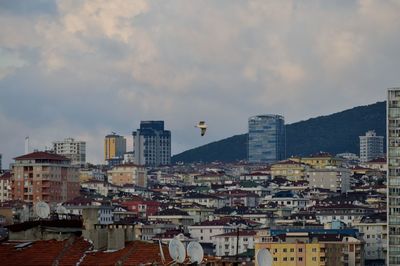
(67, 73)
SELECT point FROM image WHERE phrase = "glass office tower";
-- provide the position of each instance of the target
(393, 175)
(267, 139)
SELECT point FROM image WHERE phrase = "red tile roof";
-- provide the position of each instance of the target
(71, 251)
(40, 155)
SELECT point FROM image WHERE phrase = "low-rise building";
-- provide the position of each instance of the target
(128, 174)
(289, 169)
(311, 247)
(374, 233)
(335, 179)
(233, 243)
(174, 216)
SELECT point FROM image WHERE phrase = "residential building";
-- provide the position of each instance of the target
(73, 150)
(374, 233)
(128, 174)
(346, 213)
(311, 247)
(140, 207)
(320, 160)
(114, 148)
(91, 174)
(174, 216)
(371, 146)
(210, 201)
(335, 179)
(5, 187)
(393, 176)
(266, 139)
(152, 144)
(228, 244)
(42, 176)
(288, 199)
(289, 169)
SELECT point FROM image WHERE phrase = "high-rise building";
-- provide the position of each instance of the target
(267, 139)
(73, 150)
(42, 176)
(152, 144)
(114, 147)
(371, 146)
(393, 174)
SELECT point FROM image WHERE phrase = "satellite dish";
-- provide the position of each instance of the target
(195, 252)
(61, 210)
(42, 209)
(177, 250)
(264, 257)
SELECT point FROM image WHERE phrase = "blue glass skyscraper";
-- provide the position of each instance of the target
(267, 139)
(152, 144)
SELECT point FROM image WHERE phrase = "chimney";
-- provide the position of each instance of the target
(26, 145)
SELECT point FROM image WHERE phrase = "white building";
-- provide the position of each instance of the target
(5, 187)
(225, 244)
(335, 179)
(204, 231)
(209, 201)
(287, 199)
(73, 150)
(374, 233)
(371, 146)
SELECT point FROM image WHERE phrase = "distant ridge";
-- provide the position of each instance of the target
(335, 133)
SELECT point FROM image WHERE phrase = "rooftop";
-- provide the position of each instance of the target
(41, 155)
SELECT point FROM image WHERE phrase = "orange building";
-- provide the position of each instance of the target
(42, 176)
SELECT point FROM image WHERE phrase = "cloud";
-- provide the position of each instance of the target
(84, 68)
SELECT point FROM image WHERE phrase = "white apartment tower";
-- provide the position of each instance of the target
(393, 175)
(73, 150)
(371, 146)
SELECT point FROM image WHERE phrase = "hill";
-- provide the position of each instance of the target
(335, 133)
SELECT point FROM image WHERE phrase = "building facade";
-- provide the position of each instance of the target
(371, 146)
(393, 176)
(152, 144)
(266, 139)
(114, 148)
(42, 176)
(5, 186)
(128, 174)
(72, 149)
(335, 179)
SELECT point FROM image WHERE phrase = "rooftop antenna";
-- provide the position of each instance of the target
(177, 250)
(26, 144)
(195, 252)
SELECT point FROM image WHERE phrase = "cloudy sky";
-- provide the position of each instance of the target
(74, 68)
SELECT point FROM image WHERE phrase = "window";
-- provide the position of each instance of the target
(285, 259)
(292, 259)
(300, 250)
(284, 250)
(314, 250)
(275, 259)
(292, 250)
(300, 258)
(314, 258)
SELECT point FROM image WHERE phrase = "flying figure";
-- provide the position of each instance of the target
(202, 125)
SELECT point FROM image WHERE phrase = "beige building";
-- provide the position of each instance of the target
(128, 174)
(289, 169)
(42, 176)
(335, 179)
(320, 160)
